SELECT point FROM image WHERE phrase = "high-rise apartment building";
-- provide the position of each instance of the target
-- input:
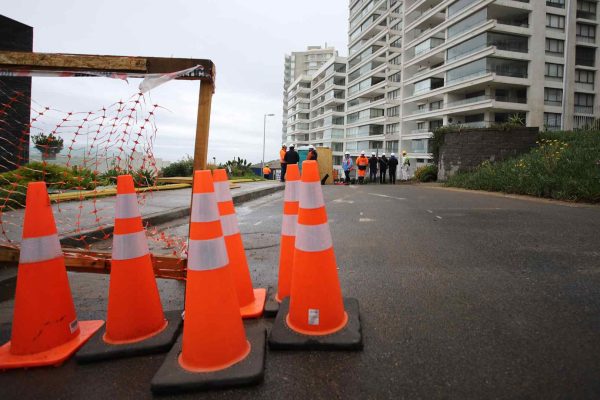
(416, 65)
(316, 108)
(300, 63)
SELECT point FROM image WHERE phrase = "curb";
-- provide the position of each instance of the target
(95, 235)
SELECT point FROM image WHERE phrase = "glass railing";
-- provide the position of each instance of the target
(586, 15)
(584, 109)
(585, 39)
(470, 100)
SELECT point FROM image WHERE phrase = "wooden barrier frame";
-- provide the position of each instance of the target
(15, 61)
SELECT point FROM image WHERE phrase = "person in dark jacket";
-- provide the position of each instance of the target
(312, 153)
(392, 164)
(291, 156)
(383, 166)
(373, 161)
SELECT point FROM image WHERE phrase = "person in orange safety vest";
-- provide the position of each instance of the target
(266, 171)
(362, 162)
(282, 160)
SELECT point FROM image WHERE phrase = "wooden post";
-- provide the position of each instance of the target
(203, 125)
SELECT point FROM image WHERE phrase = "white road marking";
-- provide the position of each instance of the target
(343, 201)
(386, 196)
(430, 212)
(361, 213)
(438, 217)
(258, 223)
(365, 220)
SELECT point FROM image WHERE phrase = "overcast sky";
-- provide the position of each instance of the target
(246, 39)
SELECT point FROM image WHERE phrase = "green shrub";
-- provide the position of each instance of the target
(564, 165)
(141, 177)
(179, 168)
(13, 184)
(426, 173)
(238, 167)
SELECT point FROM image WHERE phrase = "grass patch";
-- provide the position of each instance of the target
(564, 166)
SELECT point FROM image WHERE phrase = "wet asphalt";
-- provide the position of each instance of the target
(462, 296)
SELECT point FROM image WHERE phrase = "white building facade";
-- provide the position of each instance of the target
(297, 64)
(483, 62)
(416, 65)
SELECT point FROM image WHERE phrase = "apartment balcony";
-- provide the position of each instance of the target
(431, 12)
(585, 56)
(422, 133)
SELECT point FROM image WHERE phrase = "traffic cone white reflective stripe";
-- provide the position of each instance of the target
(201, 213)
(311, 195)
(127, 206)
(313, 238)
(230, 226)
(129, 245)
(292, 189)
(222, 191)
(43, 248)
(288, 226)
(208, 254)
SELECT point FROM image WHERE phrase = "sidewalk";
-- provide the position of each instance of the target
(75, 219)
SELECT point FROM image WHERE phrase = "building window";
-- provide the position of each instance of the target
(467, 23)
(586, 9)
(556, 3)
(393, 111)
(586, 33)
(396, 60)
(395, 77)
(393, 94)
(552, 121)
(583, 76)
(555, 21)
(584, 102)
(554, 70)
(553, 97)
(392, 129)
(555, 46)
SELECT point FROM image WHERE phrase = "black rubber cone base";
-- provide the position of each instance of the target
(282, 337)
(96, 349)
(172, 378)
(271, 305)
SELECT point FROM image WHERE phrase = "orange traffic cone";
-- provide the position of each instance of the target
(288, 232)
(315, 315)
(45, 330)
(214, 350)
(135, 314)
(252, 301)
(134, 309)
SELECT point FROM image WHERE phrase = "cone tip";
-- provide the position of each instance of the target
(220, 175)
(292, 173)
(203, 182)
(38, 219)
(310, 171)
(125, 184)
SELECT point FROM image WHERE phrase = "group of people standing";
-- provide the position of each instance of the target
(290, 156)
(375, 164)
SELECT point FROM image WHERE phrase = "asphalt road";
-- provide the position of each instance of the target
(462, 295)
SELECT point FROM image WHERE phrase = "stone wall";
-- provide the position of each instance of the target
(463, 151)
